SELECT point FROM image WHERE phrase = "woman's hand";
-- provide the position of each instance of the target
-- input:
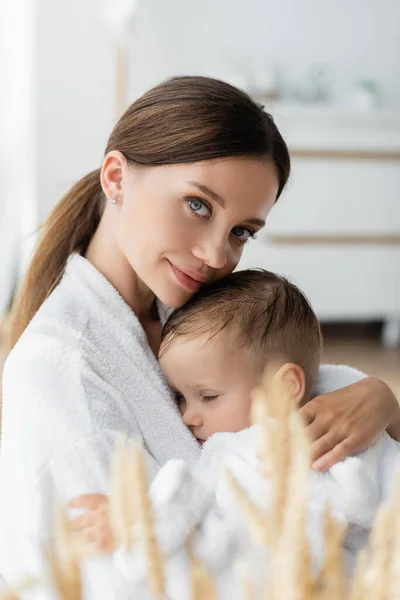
(349, 420)
(94, 524)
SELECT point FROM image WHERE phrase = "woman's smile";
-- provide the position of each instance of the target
(189, 279)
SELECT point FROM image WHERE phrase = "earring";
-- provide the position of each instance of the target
(114, 200)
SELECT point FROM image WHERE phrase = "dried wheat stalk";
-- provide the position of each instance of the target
(357, 585)
(380, 554)
(293, 555)
(155, 563)
(256, 520)
(63, 564)
(26, 584)
(274, 465)
(245, 582)
(260, 415)
(332, 578)
(201, 584)
(290, 570)
(278, 405)
(122, 497)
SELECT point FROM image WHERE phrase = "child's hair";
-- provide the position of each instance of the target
(183, 120)
(268, 313)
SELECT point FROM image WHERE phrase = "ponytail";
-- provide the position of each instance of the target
(68, 229)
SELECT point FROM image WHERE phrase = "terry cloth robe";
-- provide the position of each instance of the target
(82, 371)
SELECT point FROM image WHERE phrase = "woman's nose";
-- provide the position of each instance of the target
(212, 252)
(192, 418)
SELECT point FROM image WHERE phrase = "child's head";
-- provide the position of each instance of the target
(215, 348)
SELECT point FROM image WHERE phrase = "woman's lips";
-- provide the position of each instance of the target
(191, 280)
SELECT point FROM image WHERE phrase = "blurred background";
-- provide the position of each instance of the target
(329, 73)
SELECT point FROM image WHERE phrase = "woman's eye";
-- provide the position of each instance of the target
(199, 207)
(209, 398)
(243, 233)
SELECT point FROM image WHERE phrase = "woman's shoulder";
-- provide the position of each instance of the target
(50, 343)
(58, 325)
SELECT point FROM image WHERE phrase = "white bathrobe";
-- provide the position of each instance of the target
(352, 489)
(81, 372)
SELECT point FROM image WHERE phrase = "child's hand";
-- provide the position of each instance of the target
(94, 524)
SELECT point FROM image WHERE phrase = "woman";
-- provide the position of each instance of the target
(190, 173)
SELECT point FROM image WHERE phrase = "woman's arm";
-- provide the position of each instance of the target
(344, 421)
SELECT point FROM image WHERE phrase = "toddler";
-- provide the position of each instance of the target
(215, 348)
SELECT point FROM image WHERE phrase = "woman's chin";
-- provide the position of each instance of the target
(173, 298)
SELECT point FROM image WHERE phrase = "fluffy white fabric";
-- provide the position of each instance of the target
(353, 489)
(81, 372)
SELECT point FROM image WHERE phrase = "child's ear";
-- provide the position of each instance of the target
(295, 381)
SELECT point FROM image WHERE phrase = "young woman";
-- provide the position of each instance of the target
(190, 173)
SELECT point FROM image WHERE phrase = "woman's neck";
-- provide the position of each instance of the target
(107, 257)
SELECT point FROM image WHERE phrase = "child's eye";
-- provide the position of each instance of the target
(178, 397)
(243, 233)
(209, 398)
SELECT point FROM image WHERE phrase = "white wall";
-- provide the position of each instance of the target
(75, 91)
(18, 143)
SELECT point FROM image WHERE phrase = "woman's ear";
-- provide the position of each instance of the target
(293, 378)
(111, 175)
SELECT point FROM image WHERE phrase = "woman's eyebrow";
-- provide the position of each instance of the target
(214, 196)
(206, 190)
(255, 221)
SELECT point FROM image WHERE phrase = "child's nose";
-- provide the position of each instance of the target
(192, 418)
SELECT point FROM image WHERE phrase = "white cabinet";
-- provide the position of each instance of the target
(336, 230)
(337, 196)
(343, 282)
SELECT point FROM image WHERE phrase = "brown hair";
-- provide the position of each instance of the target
(269, 314)
(183, 120)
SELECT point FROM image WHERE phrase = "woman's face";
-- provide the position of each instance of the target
(180, 226)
